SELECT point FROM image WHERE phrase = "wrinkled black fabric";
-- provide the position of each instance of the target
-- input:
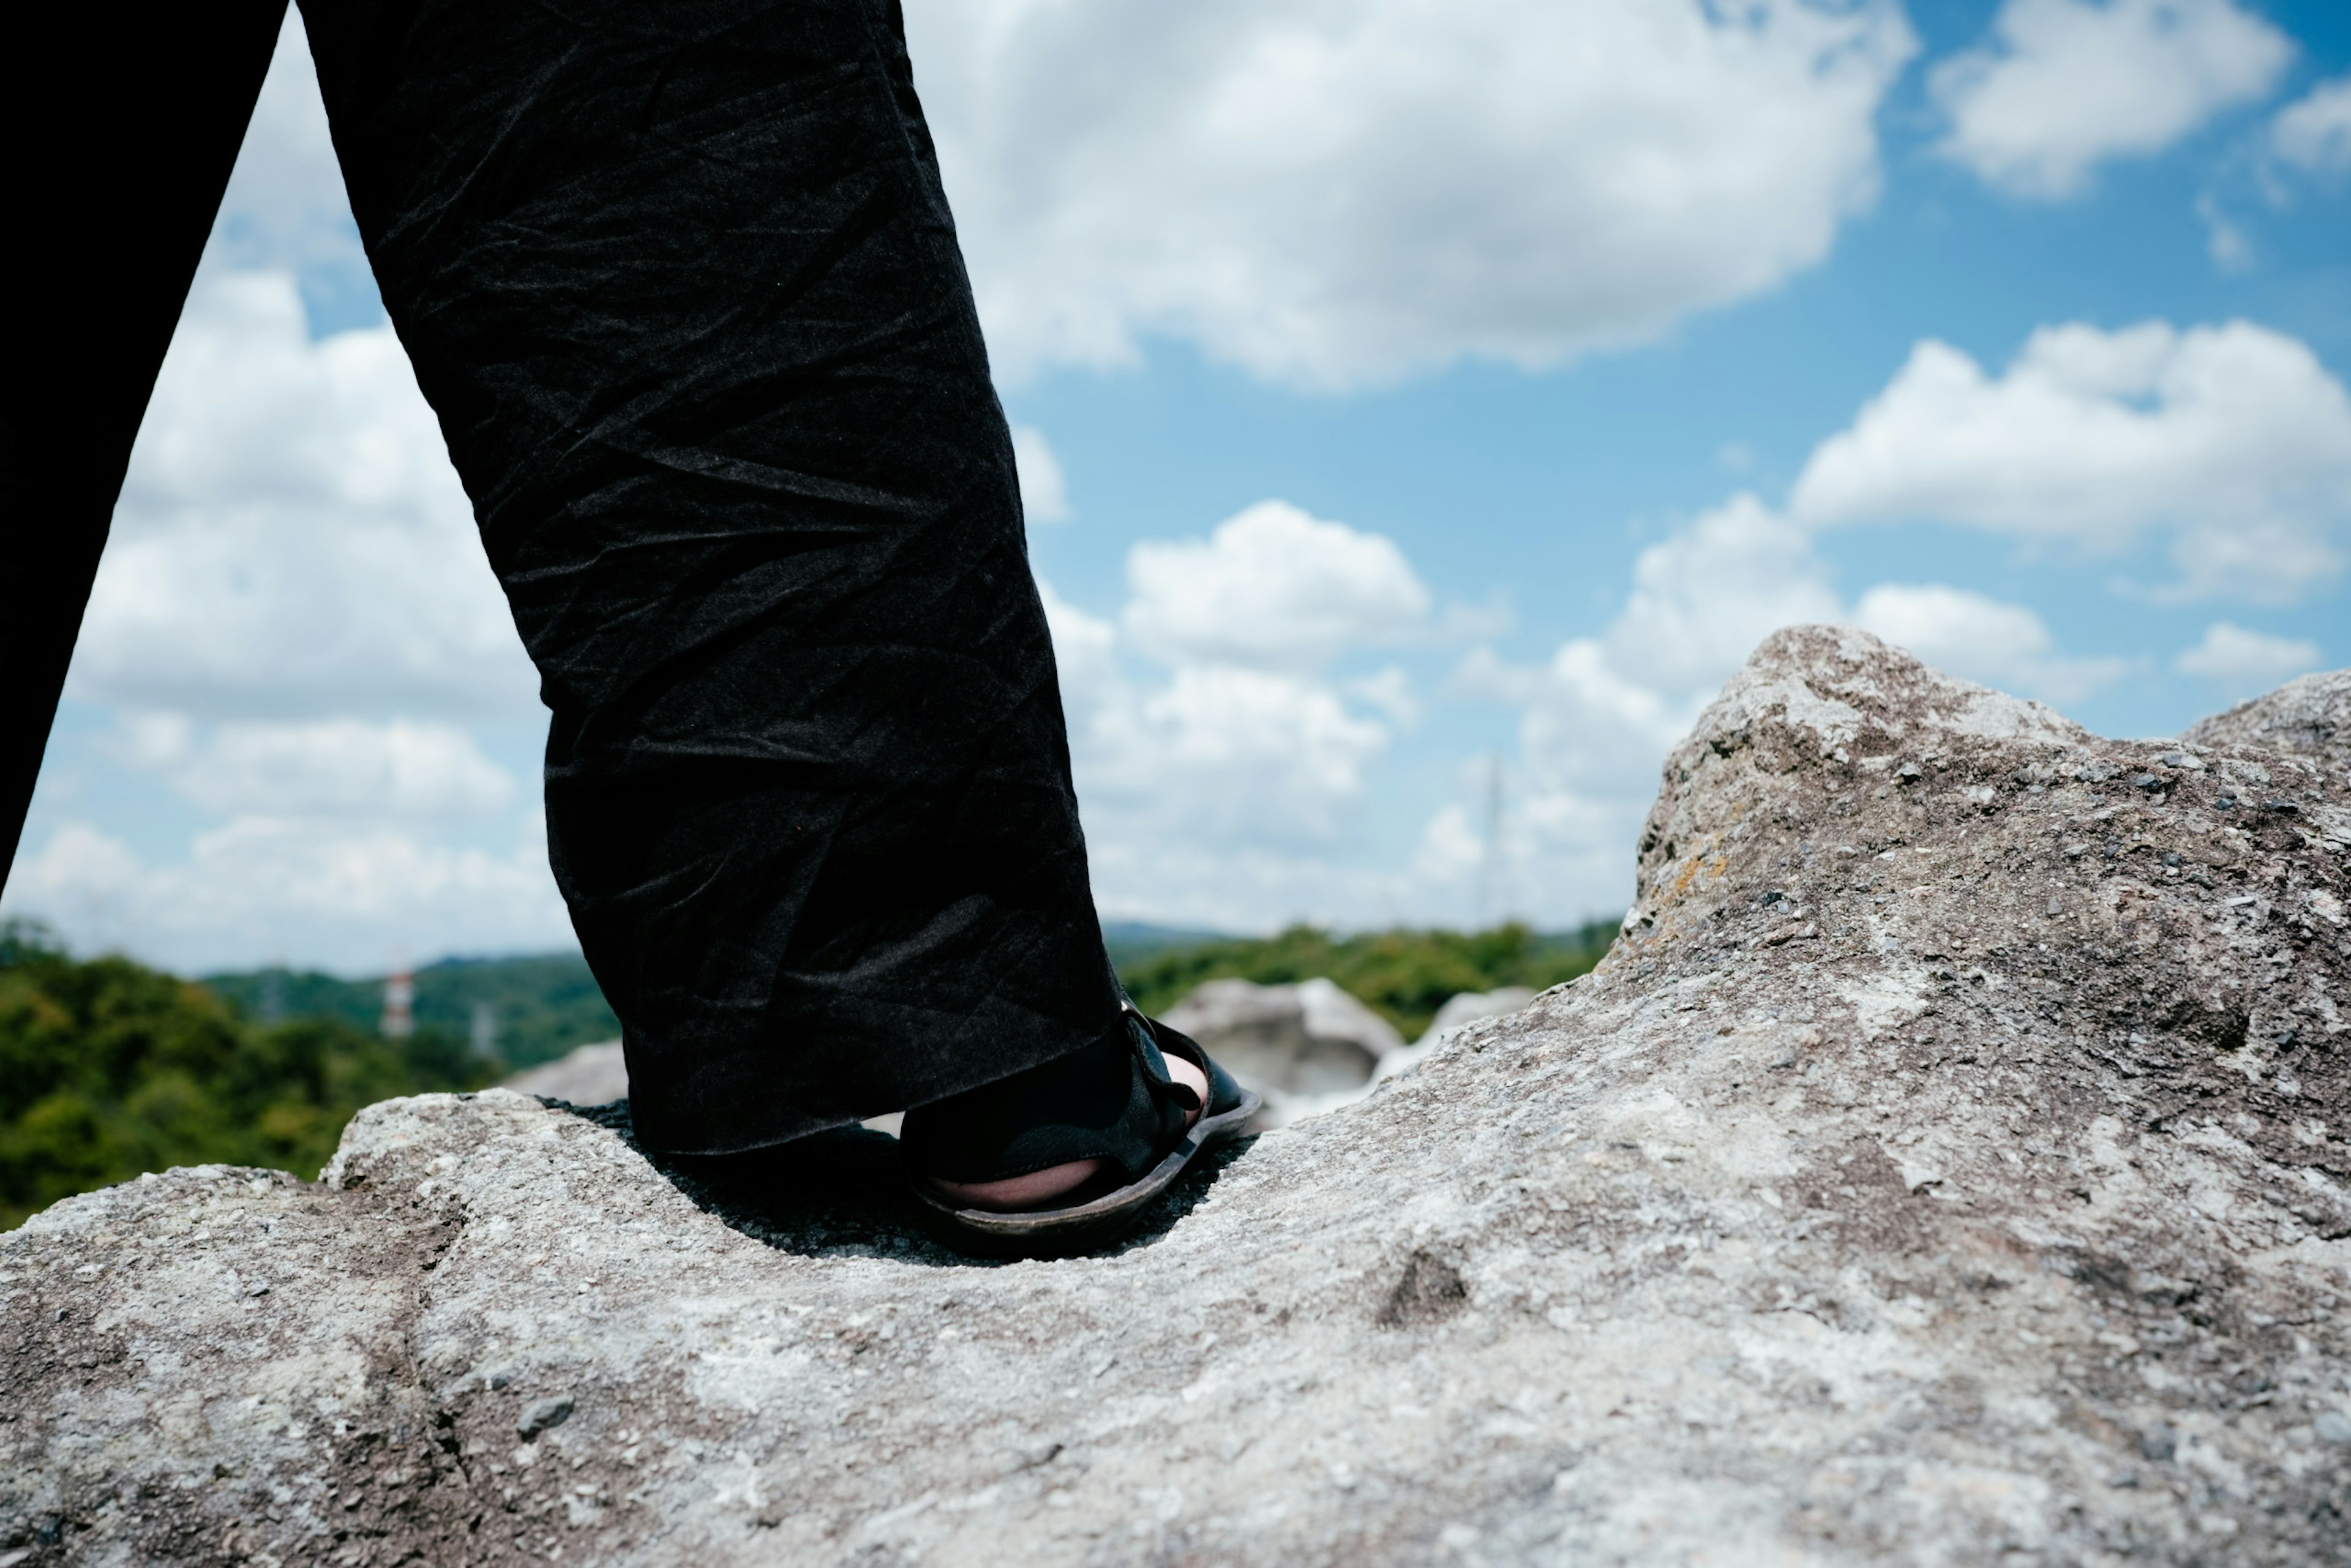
(680, 281)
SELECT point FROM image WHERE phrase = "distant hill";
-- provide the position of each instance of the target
(540, 1006)
(108, 1068)
(1132, 941)
(543, 1004)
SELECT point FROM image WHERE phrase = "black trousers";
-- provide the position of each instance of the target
(681, 284)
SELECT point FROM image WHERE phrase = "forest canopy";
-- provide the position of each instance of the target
(108, 1068)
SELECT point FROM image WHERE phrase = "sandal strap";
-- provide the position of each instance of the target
(1124, 1106)
(1224, 1090)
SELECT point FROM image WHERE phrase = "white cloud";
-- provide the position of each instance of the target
(2247, 661)
(291, 538)
(1085, 653)
(284, 208)
(1599, 716)
(1255, 752)
(1450, 851)
(1704, 598)
(2232, 441)
(2313, 133)
(331, 767)
(351, 896)
(1219, 761)
(1270, 587)
(2072, 84)
(1967, 634)
(1044, 491)
(2225, 240)
(1328, 194)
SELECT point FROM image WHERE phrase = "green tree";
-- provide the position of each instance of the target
(108, 1068)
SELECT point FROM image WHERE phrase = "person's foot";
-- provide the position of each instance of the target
(1039, 1188)
(1053, 1133)
(1067, 1157)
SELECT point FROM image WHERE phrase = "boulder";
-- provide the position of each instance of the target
(1306, 1048)
(585, 1075)
(2309, 717)
(1947, 1165)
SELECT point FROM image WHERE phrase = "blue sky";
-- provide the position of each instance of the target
(1430, 391)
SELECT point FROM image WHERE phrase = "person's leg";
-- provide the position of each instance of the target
(125, 131)
(680, 283)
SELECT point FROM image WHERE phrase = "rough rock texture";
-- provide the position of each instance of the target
(584, 1076)
(1467, 1006)
(1949, 1166)
(2310, 716)
(1460, 1009)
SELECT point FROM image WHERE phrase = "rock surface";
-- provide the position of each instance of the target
(2310, 716)
(1460, 1009)
(1948, 1166)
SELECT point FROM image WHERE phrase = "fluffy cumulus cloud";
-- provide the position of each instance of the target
(291, 538)
(1044, 491)
(1983, 639)
(1703, 599)
(1224, 783)
(1270, 587)
(1221, 730)
(2232, 442)
(1598, 716)
(351, 893)
(296, 630)
(2244, 662)
(338, 768)
(2067, 84)
(1328, 194)
(2313, 133)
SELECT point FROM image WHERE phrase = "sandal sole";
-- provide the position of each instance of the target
(1064, 1232)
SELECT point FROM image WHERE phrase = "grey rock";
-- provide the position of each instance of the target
(1305, 1048)
(585, 1075)
(542, 1414)
(2309, 717)
(1595, 1284)
(1458, 1011)
(2331, 1427)
(1468, 1007)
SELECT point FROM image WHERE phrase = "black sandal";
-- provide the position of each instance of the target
(1115, 1102)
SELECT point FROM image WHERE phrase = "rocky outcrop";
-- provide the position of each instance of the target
(1460, 1011)
(2309, 717)
(1948, 1166)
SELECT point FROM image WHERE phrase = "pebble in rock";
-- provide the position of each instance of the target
(541, 1414)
